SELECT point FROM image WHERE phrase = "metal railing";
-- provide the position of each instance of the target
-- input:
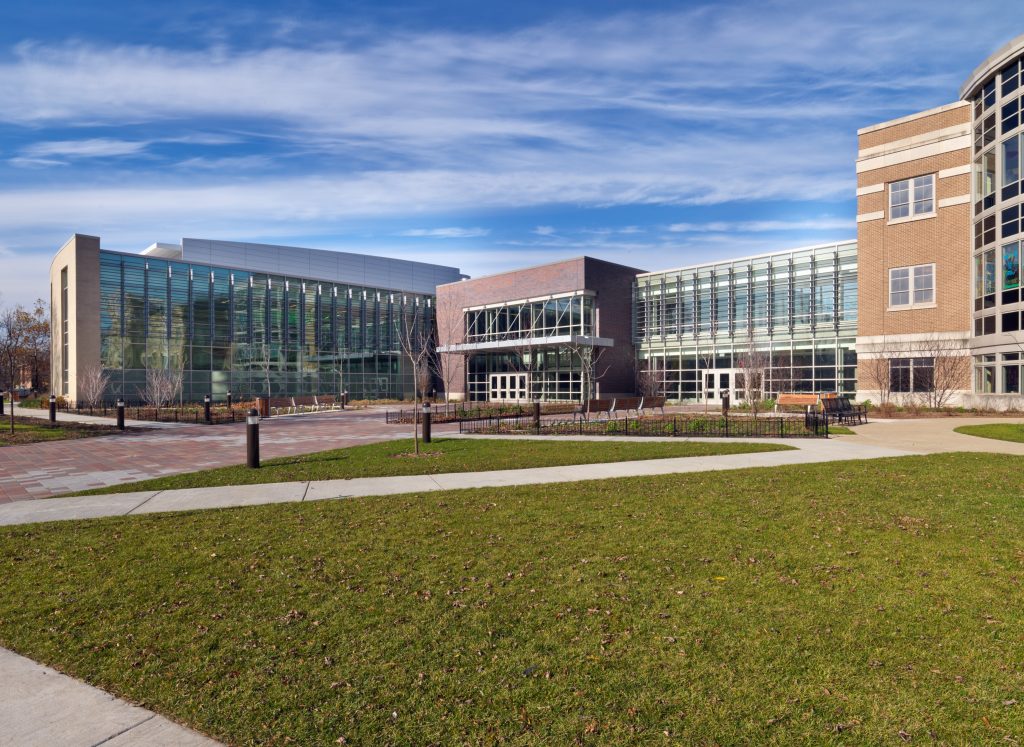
(462, 412)
(812, 425)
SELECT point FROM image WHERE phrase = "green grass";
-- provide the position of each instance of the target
(28, 430)
(870, 602)
(840, 430)
(441, 455)
(998, 431)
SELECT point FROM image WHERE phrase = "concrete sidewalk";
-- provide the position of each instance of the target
(40, 707)
(807, 451)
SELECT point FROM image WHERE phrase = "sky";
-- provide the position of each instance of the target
(483, 135)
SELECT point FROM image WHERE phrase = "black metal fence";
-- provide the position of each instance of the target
(471, 411)
(191, 414)
(810, 426)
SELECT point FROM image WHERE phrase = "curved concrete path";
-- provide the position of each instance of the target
(40, 707)
(806, 451)
(934, 435)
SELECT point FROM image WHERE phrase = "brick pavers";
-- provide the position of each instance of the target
(47, 469)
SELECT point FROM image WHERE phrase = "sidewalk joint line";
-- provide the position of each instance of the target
(136, 508)
(306, 491)
(150, 717)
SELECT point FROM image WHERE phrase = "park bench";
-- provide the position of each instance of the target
(841, 410)
(326, 402)
(797, 400)
(594, 407)
(652, 403)
(627, 405)
(281, 405)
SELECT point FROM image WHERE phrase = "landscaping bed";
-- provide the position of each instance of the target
(441, 455)
(684, 425)
(34, 430)
(871, 602)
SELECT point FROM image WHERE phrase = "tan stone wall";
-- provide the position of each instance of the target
(931, 164)
(915, 127)
(81, 256)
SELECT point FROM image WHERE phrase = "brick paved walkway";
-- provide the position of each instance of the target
(47, 469)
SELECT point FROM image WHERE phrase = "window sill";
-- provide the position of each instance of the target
(911, 218)
(913, 307)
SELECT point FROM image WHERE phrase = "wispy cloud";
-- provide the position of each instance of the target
(763, 226)
(544, 230)
(446, 233)
(90, 148)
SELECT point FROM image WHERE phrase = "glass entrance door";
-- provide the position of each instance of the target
(719, 380)
(509, 387)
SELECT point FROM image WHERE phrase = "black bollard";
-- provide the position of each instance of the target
(252, 438)
(2, 395)
(206, 409)
(536, 415)
(426, 422)
(344, 399)
(53, 409)
(120, 414)
(229, 399)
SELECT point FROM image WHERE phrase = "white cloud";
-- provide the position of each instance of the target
(446, 233)
(763, 226)
(89, 148)
(544, 230)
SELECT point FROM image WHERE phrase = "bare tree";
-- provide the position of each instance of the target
(592, 369)
(163, 385)
(13, 336)
(649, 378)
(36, 356)
(754, 365)
(92, 384)
(416, 345)
(951, 370)
(875, 372)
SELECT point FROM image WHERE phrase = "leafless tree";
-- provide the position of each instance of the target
(649, 378)
(951, 370)
(875, 372)
(416, 344)
(592, 369)
(163, 385)
(92, 384)
(754, 365)
(13, 337)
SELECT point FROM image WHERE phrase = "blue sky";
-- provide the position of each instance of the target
(483, 135)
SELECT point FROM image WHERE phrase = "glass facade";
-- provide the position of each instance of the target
(553, 370)
(797, 309)
(252, 333)
(997, 216)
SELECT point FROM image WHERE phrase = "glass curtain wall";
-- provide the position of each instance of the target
(252, 333)
(798, 308)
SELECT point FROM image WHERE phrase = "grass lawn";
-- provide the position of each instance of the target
(871, 602)
(999, 431)
(441, 455)
(31, 430)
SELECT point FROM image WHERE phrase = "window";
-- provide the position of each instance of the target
(1010, 76)
(912, 286)
(1011, 266)
(984, 231)
(1011, 221)
(985, 181)
(1011, 167)
(911, 374)
(912, 197)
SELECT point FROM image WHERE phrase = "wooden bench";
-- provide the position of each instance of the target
(653, 403)
(627, 405)
(281, 405)
(326, 402)
(594, 407)
(800, 400)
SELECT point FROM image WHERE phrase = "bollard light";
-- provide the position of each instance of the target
(53, 409)
(426, 422)
(206, 408)
(252, 438)
(120, 414)
(229, 399)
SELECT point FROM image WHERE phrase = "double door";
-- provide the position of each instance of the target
(718, 381)
(509, 387)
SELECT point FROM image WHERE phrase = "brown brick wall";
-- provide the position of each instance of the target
(915, 127)
(943, 240)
